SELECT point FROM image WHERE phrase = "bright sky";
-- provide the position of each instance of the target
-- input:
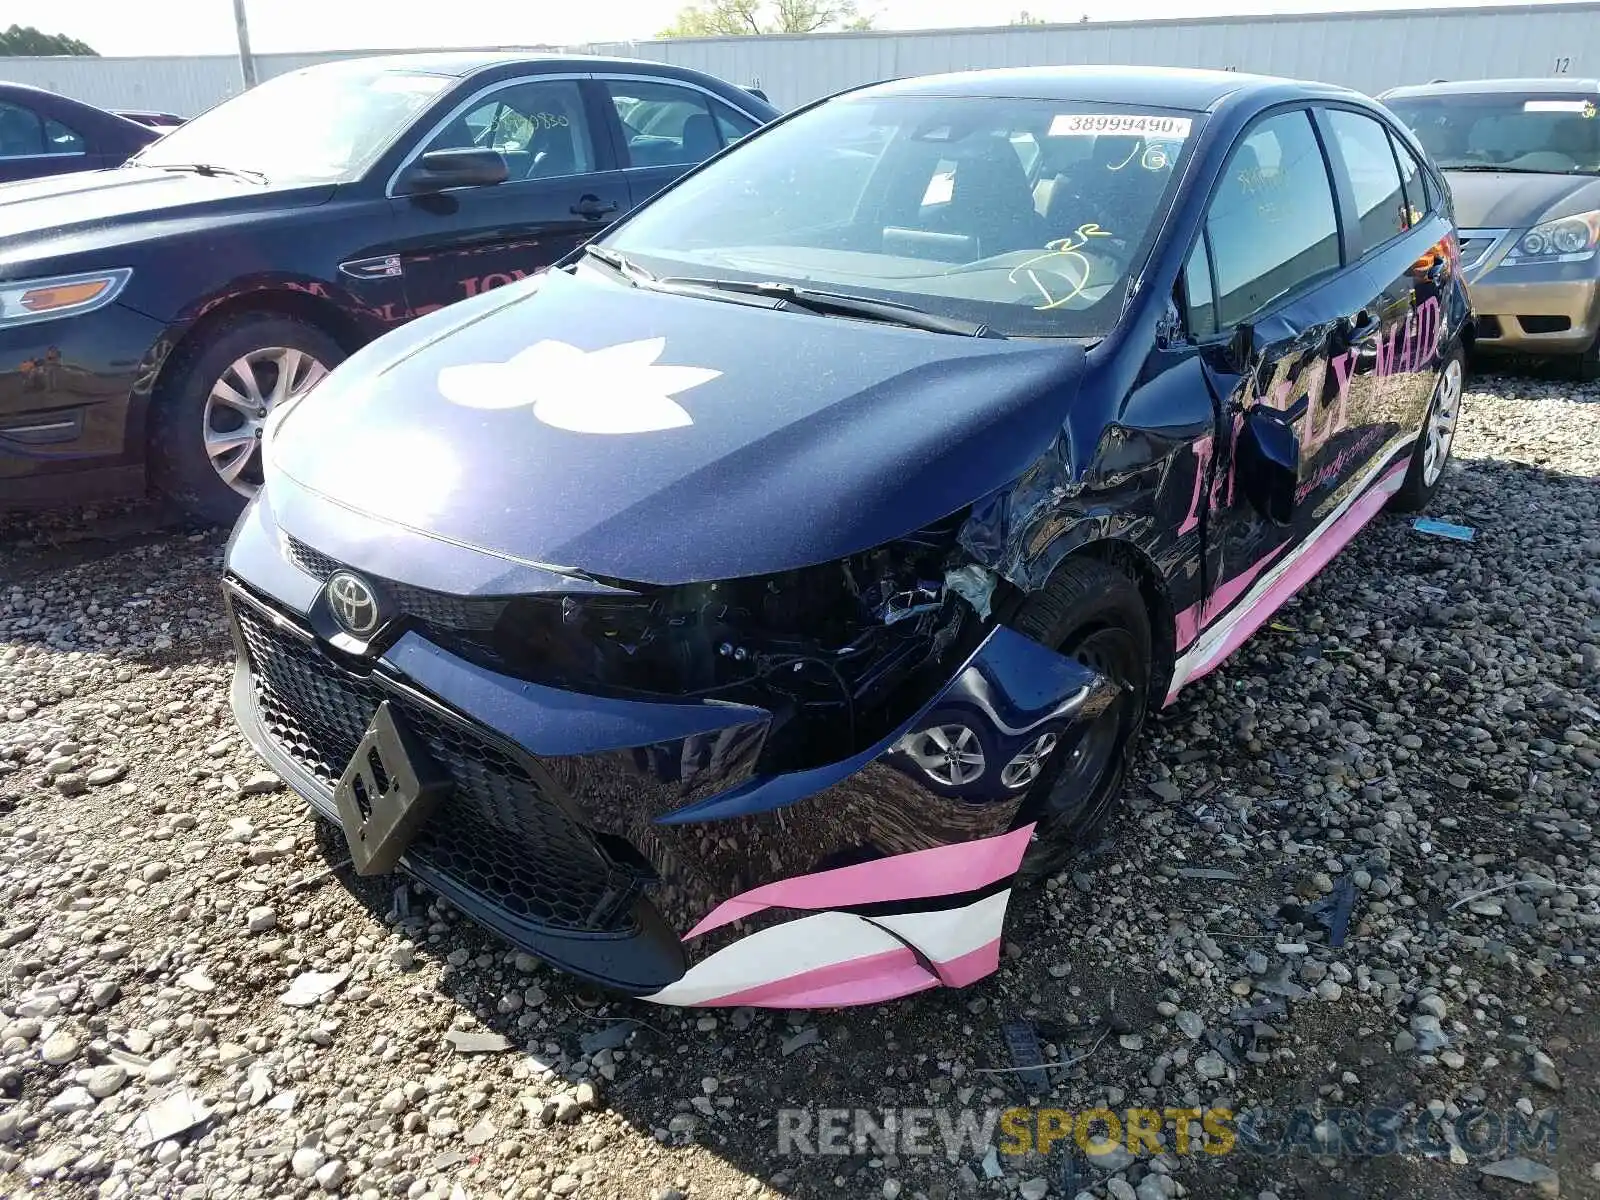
(206, 26)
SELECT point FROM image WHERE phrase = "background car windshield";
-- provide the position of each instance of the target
(323, 125)
(1556, 134)
(1027, 215)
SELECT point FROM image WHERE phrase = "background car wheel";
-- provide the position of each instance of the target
(1432, 451)
(205, 433)
(1093, 613)
(1588, 368)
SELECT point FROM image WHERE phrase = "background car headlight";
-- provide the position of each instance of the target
(1566, 239)
(46, 299)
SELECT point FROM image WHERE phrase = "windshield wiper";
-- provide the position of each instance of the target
(621, 264)
(1474, 166)
(838, 304)
(210, 170)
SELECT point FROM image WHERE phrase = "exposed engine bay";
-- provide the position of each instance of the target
(829, 649)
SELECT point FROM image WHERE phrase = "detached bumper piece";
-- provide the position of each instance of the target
(639, 845)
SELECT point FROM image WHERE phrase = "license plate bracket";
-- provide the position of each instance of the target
(388, 791)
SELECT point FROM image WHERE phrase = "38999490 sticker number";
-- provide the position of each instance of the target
(1129, 124)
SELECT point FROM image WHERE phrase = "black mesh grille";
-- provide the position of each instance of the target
(499, 834)
(312, 562)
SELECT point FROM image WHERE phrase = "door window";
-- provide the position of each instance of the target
(730, 124)
(21, 132)
(1374, 178)
(664, 124)
(58, 139)
(1411, 176)
(538, 127)
(1197, 287)
(1271, 221)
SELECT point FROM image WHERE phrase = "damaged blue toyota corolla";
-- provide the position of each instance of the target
(738, 612)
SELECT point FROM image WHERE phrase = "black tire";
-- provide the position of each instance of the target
(1418, 488)
(1588, 368)
(180, 467)
(1091, 612)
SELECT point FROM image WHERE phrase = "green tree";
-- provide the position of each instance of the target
(732, 18)
(22, 40)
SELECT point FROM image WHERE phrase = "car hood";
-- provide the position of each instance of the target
(1513, 200)
(63, 214)
(576, 422)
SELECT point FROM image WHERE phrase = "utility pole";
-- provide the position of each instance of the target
(247, 64)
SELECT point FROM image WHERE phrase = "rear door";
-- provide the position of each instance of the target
(1387, 362)
(1270, 285)
(563, 189)
(663, 127)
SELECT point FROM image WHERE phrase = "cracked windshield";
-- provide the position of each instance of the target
(1027, 216)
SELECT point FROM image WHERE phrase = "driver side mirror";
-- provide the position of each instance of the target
(1268, 467)
(1242, 347)
(440, 169)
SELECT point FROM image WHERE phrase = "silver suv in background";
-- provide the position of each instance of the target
(1522, 158)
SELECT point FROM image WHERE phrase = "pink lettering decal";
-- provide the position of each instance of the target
(1387, 344)
(1202, 459)
(1429, 320)
(1222, 482)
(1313, 435)
(1343, 368)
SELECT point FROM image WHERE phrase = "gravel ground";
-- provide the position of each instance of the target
(197, 1000)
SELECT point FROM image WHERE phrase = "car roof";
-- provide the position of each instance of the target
(461, 63)
(1560, 84)
(1160, 87)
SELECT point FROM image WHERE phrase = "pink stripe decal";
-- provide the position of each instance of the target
(1315, 556)
(971, 966)
(869, 980)
(1192, 618)
(941, 871)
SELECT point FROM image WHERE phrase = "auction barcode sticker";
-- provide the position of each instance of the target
(1094, 124)
(1586, 107)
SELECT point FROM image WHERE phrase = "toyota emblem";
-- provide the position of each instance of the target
(354, 603)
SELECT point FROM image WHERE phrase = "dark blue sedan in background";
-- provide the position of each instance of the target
(42, 133)
(152, 316)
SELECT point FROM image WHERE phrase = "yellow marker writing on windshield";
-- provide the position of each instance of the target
(1064, 259)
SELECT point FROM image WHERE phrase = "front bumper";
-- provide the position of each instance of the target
(72, 405)
(1548, 309)
(633, 843)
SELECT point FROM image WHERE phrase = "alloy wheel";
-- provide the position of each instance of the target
(1442, 417)
(1029, 765)
(950, 754)
(239, 403)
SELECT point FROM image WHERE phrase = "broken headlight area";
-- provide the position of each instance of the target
(839, 653)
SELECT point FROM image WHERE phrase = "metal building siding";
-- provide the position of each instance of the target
(1367, 51)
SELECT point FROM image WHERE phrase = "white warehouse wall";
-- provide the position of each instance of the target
(1368, 51)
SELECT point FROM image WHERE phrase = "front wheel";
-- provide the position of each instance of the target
(1094, 614)
(205, 436)
(1432, 449)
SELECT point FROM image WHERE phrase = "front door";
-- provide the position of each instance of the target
(1272, 285)
(463, 241)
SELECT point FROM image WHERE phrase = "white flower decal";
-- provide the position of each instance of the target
(616, 390)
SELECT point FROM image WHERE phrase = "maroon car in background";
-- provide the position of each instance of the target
(42, 133)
